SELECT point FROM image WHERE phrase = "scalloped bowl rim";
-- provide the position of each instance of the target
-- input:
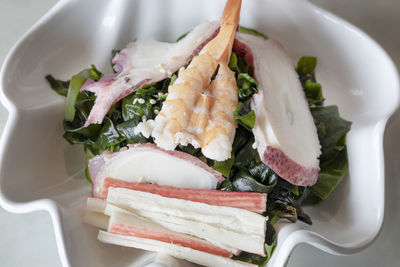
(292, 240)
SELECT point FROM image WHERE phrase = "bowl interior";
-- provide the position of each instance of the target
(355, 73)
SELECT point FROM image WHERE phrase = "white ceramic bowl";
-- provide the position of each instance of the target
(40, 171)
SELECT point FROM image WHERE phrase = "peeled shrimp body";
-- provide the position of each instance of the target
(199, 109)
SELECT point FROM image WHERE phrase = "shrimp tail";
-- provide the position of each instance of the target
(221, 46)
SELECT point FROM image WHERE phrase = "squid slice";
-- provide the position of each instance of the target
(284, 130)
(144, 62)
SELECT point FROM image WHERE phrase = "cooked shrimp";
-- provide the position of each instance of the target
(218, 138)
(199, 110)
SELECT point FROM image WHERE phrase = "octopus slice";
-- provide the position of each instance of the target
(284, 129)
(144, 62)
(134, 164)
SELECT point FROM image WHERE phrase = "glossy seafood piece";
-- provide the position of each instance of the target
(96, 219)
(284, 130)
(237, 228)
(98, 213)
(221, 46)
(130, 224)
(144, 62)
(173, 122)
(192, 255)
(220, 132)
(151, 164)
(176, 224)
(199, 110)
(117, 220)
(96, 204)
(95, 213)
(255, 202)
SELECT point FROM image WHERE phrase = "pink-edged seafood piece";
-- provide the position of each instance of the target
(94, 214)
(284, 130)
(173, 238)
(144, 62)
(255, 202)
(130, 224)
(96, 219)
(151, 164)
(101, 214)
(95, 204)
(238, 228)
(192, 255)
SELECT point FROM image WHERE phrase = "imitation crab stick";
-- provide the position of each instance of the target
(97, 219)
(178, 239)
(255, 202)
(213, 234)
(199, 257)
(101, 214)
(124, 223)
(238, 228)
(94, 215)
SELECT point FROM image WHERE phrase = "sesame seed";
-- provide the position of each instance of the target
(141, 100)
(144, 118)
(156, 111)
(254, 146)
(152, 101)
(134, 101)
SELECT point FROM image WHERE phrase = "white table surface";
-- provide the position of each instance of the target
(28, 239)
